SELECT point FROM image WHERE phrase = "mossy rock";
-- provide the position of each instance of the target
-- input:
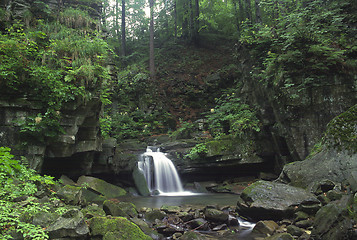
(151, 216)
(341, 132)
(106, 189)
(122, 209)
(93, 211)
(70, 194)
(117, 228)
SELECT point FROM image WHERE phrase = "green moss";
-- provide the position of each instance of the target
(118, 228)
(341, 132)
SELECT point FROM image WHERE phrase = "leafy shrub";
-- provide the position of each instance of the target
(231, 116)
(199, 150)
(16, 181)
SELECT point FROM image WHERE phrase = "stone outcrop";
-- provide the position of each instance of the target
(77, 145)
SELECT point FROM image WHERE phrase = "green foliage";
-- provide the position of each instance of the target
(184, 131)
(231, 116)
(198, 151)
(42, 128)
(304, 45)
(341, 132)
(16, 180)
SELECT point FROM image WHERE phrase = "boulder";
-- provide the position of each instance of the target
(280, 236)
(151, 216)
(140, 182)
(330, 164)
(199, 224)
(70, 224)
(93, 211)
(70, 194)
(216, 215)
(333, 221)
(117, 228)
(272, 200)
(106, 189)
(266, 227)
(335, 159)
(123, 209)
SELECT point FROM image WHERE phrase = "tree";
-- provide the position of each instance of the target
(196, 23)
(152, 60)
(123, 29)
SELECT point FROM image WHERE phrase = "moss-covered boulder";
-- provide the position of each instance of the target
(123, 209)
(154, 214)
(335, 221)
(69, 225)
(140, 182)
(334, 159)
(216, 215)
(70, 194)
(93, 211)
(106, 189)
(117, 228)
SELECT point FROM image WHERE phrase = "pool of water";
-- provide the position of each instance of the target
(198, 199)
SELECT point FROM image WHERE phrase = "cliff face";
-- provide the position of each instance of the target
(81, 135)
(24, 115)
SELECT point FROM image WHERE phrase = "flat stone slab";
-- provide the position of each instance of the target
(272, 200)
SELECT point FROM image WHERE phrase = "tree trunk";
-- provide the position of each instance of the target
(258, 17)
(175, 17)
(191, 20)
(236, 15)
(185, 21)
(248, 10)
(196, 37)
(123, 29)
(241, 10)
(152, 63)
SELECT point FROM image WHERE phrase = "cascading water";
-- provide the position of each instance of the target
(160, 173)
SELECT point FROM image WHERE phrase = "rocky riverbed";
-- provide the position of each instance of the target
(94, 209)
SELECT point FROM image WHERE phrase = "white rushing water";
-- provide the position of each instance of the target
(160, 174)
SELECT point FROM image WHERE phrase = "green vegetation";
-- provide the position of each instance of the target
(341, 132)
(18, 183)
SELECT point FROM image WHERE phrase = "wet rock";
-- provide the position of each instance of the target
(70, 224)
(111, 228)
(271, 200)
(232, 221)
(93, 211)
(280, 236)
(198, 224)
(146, 229)
(266, 227)
(304, 223)
(220, 227)
(170, 209)
(216, 215)
(295, 231)
(70, 194)
(331, 164)
(44, 219)
(301, 216)
(333, 195)
(67, 181)
(323, 186)
(122, 209)
(140, 182)
(333, 222)
(106, 189)
(151, 216)
(192, 236)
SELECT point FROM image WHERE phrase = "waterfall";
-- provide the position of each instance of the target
(160, 173)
